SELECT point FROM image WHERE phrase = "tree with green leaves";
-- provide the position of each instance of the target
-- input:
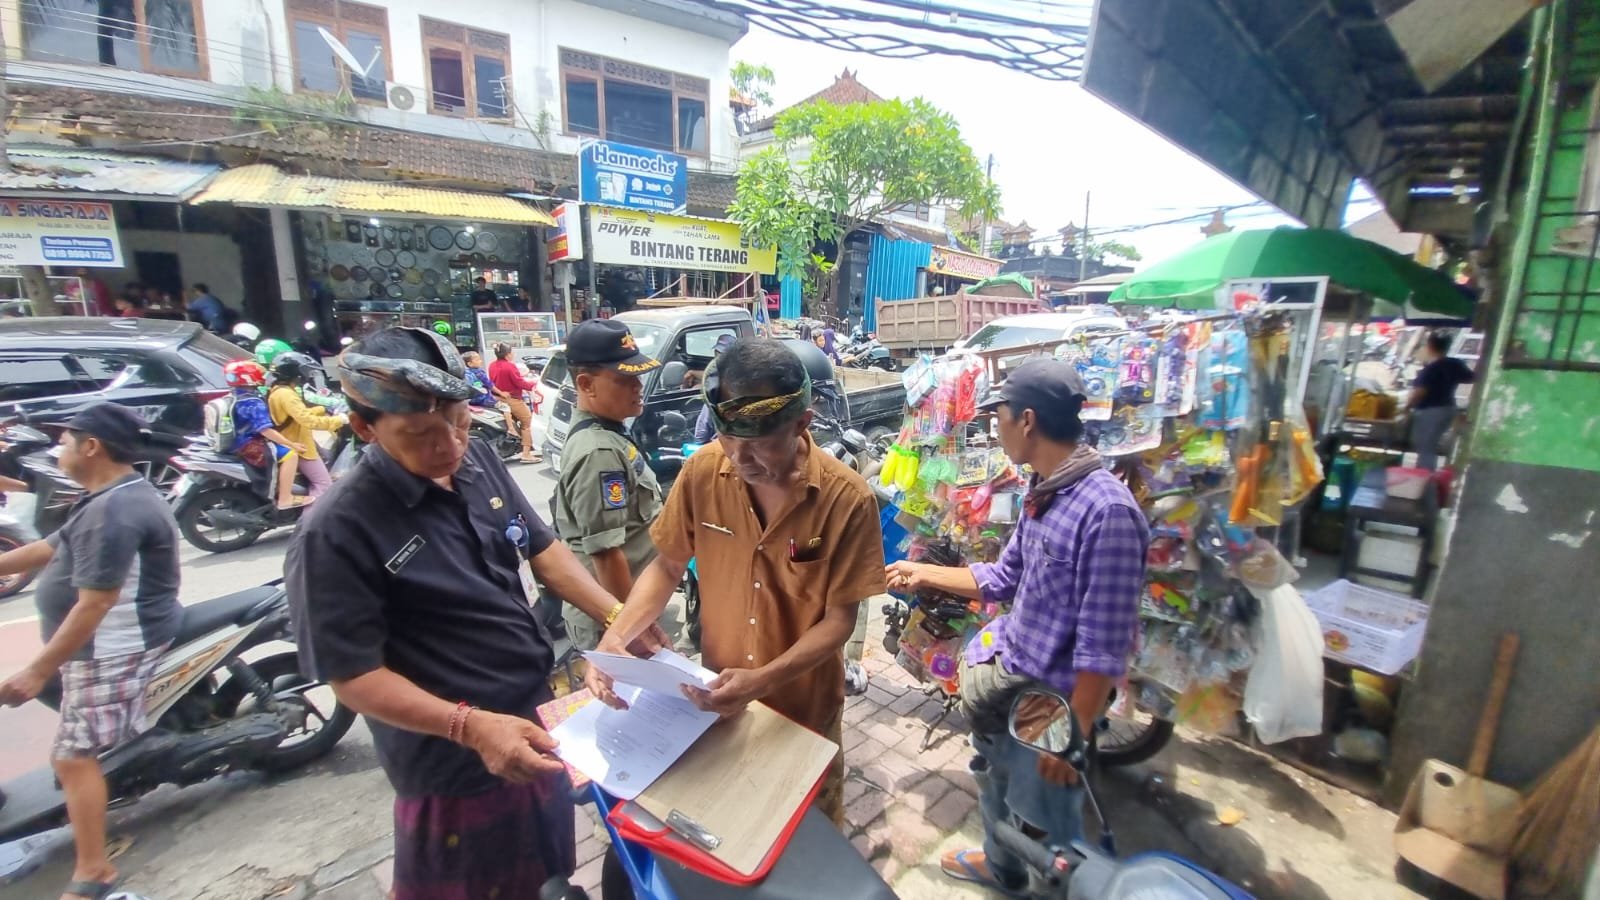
(836, 169)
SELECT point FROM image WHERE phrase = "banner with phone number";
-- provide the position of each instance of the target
(58, 233)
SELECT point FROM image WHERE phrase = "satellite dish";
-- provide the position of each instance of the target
(345, 56)
(401, 97)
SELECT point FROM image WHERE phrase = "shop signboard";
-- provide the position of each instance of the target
(632, 238)
(632, 177)
(58, 233)
(967, 266)
(522, 331)
(566, 239)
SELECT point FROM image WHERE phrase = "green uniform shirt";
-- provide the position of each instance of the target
(607, 496)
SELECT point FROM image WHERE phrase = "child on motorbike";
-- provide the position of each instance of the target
(479, 380)
(255, 441)
(297, 420)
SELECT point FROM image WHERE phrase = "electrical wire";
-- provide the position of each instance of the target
(1037, 45)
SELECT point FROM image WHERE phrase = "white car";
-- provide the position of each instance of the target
(545, 394)
(1035, 328)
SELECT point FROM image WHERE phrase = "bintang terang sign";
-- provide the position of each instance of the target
(635, 238)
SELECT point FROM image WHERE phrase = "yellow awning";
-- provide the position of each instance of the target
(263, 185)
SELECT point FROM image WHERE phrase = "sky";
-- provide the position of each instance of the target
(1052, 142)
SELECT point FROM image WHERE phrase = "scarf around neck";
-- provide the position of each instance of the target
(1080, 465)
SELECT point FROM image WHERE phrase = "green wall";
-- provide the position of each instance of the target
(1536, 416)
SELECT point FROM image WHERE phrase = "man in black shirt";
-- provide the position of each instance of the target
(410, 589)
(1432, 400)
(484, 299)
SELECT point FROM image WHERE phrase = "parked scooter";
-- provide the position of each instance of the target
(212, 712)
(864, 352)
(1084, 871)
(14, 533)
(498, 430)
(223, 505)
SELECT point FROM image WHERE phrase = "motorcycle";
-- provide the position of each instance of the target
(212, 712)
(864, 352)
(1084, 871)
(13, 534)
(223, 505)
(1132, 735)
(498, 430)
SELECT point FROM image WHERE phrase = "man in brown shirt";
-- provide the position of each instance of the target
(788, 546)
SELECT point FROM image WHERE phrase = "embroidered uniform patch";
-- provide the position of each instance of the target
(613, 490)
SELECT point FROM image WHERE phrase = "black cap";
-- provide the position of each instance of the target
(1052, 388)
(118, 426)
(608, 343)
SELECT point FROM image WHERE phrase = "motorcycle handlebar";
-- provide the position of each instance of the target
(1037, 857)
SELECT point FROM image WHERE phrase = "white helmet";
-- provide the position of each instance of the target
(247, 331)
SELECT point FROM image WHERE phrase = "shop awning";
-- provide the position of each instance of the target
(265, 186)
(98, 175)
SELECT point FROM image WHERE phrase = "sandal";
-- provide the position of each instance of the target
(532, 458)
(955, 865)
(91, 890)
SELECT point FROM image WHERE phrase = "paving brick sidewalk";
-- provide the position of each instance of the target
(905, 806)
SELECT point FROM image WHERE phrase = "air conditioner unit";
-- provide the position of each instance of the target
(400, 97)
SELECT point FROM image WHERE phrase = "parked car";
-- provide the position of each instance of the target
(551, 373)
(50, 368)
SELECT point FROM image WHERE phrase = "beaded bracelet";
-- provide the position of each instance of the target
(458, 722)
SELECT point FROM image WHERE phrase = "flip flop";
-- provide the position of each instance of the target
(91, 890)
(970, 873)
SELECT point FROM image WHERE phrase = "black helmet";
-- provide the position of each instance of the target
(293, 366)
(817, 364)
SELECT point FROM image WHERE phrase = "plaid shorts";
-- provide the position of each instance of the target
(102, 702)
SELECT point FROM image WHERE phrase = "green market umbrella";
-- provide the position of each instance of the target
(1190, 279)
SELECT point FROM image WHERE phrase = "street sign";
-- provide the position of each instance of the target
(58, 233)
(632, 177)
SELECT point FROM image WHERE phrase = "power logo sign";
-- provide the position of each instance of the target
(58, 233)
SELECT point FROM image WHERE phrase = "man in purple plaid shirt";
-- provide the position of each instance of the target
(1074, 573)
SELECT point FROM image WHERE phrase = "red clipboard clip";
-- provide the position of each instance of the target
(691, 854)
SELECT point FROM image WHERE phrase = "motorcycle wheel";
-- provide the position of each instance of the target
(198, 530)
(11, 585)
(691, 606)
(1132, 740)
(327, 719)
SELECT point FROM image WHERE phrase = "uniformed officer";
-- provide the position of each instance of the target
(607, 496)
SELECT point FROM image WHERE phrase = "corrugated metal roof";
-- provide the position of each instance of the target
(892, 274)
(263, 185)
(92, 172)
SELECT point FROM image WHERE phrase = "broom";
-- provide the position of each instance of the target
(1558, 825)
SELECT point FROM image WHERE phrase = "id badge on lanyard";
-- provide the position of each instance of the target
(517, 534)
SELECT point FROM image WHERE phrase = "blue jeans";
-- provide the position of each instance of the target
(1010, 788)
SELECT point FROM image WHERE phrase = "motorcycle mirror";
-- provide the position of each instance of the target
(1042, 719)
(672, 375)
(674, 428)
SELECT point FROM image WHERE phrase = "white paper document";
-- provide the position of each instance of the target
(664, 673)
(625, 751)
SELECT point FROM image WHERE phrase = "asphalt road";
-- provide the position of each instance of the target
(239, 836)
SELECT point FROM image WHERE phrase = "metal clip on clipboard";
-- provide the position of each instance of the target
(692, 831)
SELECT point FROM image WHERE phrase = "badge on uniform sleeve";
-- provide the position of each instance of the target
(613, 490)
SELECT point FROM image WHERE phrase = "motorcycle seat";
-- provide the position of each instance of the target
(207, 616)
(819, 861)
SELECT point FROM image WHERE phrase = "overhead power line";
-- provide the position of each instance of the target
(1043, 39)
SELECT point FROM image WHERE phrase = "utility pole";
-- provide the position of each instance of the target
(986, 241)
(1083, 254)
(35, 286)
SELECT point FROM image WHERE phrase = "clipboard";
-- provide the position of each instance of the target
(745, 784)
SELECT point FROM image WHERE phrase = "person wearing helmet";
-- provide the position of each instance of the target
(297, 420)
(244, 335)
(409, 586)
(268, 350)
(255, 440)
